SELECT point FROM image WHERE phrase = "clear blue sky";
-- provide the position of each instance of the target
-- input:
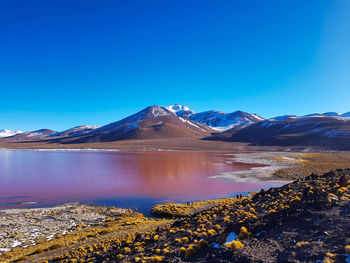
(66, 62)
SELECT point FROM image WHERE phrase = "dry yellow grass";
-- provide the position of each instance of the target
(318, 163)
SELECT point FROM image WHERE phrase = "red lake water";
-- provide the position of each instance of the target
(34, 178)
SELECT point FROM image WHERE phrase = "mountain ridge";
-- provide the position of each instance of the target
(329, 129)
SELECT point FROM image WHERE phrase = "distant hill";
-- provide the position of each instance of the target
(76, 131)
(7, 133)
(316, 130)
(33, 135)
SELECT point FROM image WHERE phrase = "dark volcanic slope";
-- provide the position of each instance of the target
(325, 132)
(150, 123)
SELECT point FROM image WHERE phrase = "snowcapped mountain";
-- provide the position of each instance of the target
(346, 114)
(180, 110)
(7, 133)
(221, 121)
(150, 123)
(76, 131)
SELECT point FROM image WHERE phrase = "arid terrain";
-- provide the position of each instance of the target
(184, 143)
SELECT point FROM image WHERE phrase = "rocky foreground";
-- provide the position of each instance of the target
(307, 220)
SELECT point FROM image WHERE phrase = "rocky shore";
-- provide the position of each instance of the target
(23, 228)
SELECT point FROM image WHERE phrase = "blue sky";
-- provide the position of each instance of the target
(66, 63)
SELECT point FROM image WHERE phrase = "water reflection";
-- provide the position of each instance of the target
(52, 177)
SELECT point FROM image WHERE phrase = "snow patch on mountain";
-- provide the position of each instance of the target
(7, 133)
(191, 123)
(222, 121)
(180, 110)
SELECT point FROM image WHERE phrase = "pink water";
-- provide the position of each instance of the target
(30, 178)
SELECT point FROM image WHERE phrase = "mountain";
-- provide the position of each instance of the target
(7, 133)
(76, 131)
(217, 120)
(180, 110)
(319, 131)
(329, 114)
(38, 134)
(223, 121)
(151, 123)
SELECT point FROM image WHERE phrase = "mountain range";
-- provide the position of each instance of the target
(329, 130)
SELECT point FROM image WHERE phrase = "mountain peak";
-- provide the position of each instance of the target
(180, 110)
(154, 111)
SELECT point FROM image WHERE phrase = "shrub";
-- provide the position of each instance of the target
(202, 243)
(347, 249)
(126, 249)
(234, 245)
(185, 239)
(190, 252)
(182, 250)
(243, 233)
(302, 243)
(211, 232)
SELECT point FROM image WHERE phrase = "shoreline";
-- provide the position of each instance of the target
(271, 161)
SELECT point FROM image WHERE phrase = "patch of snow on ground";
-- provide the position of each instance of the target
(16, 243)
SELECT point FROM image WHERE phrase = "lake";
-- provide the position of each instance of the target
(37, 178)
